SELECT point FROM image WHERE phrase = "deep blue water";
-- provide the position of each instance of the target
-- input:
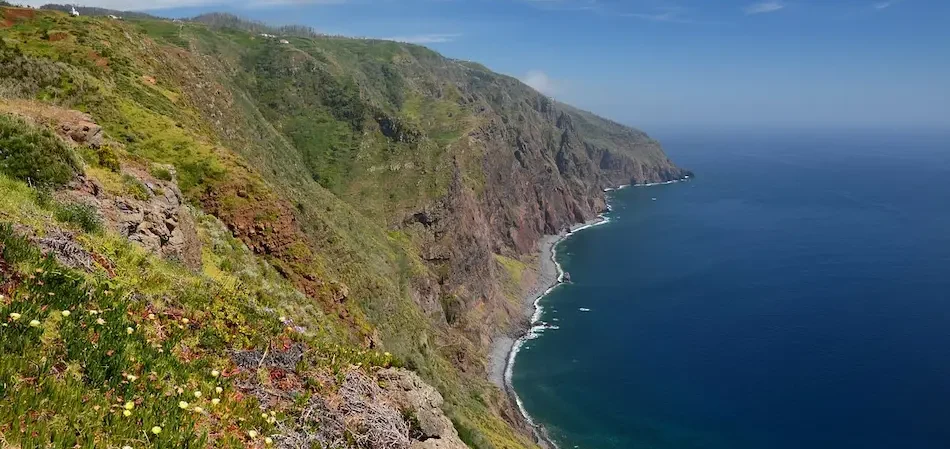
(796, 294)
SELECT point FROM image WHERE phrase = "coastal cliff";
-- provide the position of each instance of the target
(347, 204)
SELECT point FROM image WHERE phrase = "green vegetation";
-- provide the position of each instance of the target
(34, 155)
(81, 349)
(80, 215)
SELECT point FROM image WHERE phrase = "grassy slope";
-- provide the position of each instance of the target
(106, 68)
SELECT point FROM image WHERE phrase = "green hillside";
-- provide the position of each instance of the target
(284, 217)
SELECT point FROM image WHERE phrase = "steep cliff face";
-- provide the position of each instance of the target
(397, 194)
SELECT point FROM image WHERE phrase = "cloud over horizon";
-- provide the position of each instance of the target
(540, 81)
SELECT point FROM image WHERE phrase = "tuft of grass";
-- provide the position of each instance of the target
(80, 215)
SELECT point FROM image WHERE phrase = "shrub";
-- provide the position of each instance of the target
(135, 188)
(106, 158)
(162, 173)
(80, 215)
(34, 155)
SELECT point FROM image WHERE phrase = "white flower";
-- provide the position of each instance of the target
(252, 433)
(156, 430)
(126, 413)
(129, 405)
(129, 330)
(197, 394)
(133, 378)
(215, 373)
(215, 401)
(185, 321)
(35, 323)
(15, 316)
(198, 409)
(151, 316)
(218, 389)
(264, 415)
(268, 441)
(65, 313)
(182, 405)
(100, 321)
(126, 447)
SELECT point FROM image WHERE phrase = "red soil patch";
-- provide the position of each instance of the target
(13, 15)
(98, 59)
(58, 36)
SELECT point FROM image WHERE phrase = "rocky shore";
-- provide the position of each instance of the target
(547, 278)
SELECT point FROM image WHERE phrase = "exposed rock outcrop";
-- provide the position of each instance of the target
(423, 403)
(152, 214)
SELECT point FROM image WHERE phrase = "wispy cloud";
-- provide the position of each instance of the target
(763, 7)
(435, 38)
(884, 5)
(672, 14)
(541, 82)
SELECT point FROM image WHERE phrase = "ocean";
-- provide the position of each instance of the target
(795, 294)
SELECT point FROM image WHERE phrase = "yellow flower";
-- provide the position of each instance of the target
(34, 323)
(264, 415)
(156, 430)
(100, 321)
(215, 401)
(268, 441)
(215, 373)
(218, 389)
(197, 394)
(182, 405)
(65, 313)
(129, 330)
(15, 316)
(129, 405)
(126, 413)
(252, 433)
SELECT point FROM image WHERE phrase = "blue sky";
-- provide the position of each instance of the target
(670, 63)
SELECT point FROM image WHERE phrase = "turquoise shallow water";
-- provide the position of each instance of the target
(795, 294)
